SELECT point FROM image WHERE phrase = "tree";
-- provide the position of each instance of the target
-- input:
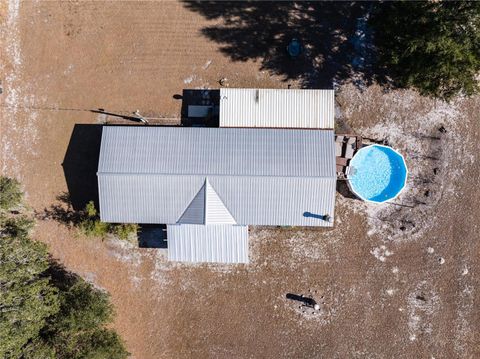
(432, 46)
(27, 298)
(46, 311)
(10, 193)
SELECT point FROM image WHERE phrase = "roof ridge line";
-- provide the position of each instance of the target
(203, 175)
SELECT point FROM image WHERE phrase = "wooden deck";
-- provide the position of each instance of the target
(346, 145)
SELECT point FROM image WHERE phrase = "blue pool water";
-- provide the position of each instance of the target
(379, 173)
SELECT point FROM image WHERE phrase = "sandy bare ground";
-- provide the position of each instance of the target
(393, 281)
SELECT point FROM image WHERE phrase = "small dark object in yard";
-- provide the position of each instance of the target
(427, 193)
(309, 302)
(403, 228)
(436, 171)
(442, 129)
(294, 48)
(421, 297)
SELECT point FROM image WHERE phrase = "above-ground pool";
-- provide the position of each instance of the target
(378, 173)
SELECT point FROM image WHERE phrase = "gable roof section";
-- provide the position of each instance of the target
(277, 108)
(206, 208)
(195, 212)
(258, 176)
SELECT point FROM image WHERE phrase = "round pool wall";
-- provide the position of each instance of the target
(378, 173)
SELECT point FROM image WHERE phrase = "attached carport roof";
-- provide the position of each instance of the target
(216, 243)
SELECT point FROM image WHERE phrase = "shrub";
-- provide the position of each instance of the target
(124, 230)
(90, 225)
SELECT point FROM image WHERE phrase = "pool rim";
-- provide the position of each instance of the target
(404, 183)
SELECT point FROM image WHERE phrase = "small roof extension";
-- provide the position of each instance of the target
(277, 108)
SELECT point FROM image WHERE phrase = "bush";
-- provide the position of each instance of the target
(90, 225)
(10, 193)
(124, 230)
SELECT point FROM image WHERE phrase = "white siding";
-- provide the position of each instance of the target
(207, 243)
(277, 108)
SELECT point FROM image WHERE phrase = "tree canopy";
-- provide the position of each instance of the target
(45, 311)
(10, 193)
(432, 46)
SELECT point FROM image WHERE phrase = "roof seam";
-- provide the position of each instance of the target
(203, 174)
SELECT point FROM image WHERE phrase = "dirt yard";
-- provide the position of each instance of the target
(397, 280)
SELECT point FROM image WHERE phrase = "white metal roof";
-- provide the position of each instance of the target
(221, 243)
(207, 208)
(277, 108)
(216, 151)
(260, 176)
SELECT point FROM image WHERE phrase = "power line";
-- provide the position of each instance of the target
(128, 115)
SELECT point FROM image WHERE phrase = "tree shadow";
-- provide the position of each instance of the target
(62, 212)
(80, 165)
(332, 34)
(60, 276)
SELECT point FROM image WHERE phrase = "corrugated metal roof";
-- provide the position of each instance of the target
(208, 243)
(250, 200)
(217, 151)
(207, 208)
(277, 108)
(215, 210)
(139, 182)
(195, 212)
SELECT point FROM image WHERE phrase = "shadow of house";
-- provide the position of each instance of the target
(152, 236)
(207, 98)
(344, 190)
(80, 165)
(261, 31)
